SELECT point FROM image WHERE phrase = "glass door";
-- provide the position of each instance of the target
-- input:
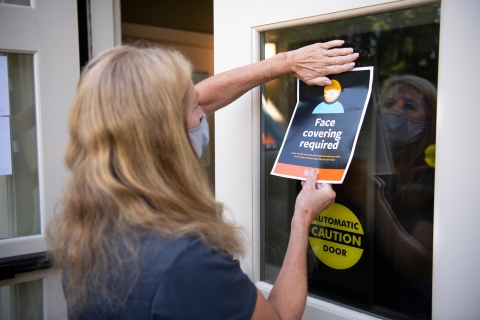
(389, 188)
(429, 193)
(39, 69)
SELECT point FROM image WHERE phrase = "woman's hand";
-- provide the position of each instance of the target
(313, 199)
(410, 253)
(313, 63)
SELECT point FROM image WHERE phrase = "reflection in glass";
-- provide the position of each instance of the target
(208, 155)
(19, 194)
(22, 301)
(390, 183)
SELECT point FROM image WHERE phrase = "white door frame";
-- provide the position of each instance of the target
(456, 284)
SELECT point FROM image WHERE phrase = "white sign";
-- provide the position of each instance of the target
(4, 102)
(5, 147)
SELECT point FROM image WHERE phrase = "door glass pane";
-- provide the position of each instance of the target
(22, 301)
(19, 195)
(208, 155)
(17, 2)
(389, 187)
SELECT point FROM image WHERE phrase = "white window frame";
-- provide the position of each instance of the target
(56, 72)
(456, 283)
(55, 53)
(47, 30)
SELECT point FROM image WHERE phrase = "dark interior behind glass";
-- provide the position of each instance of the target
(390, 183)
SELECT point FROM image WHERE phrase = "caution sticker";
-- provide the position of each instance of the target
(430, 155)
(336, 236)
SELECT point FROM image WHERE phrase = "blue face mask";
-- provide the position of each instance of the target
(402, 132)
(199, 136)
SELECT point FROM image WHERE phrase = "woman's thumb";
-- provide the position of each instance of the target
(312, 178)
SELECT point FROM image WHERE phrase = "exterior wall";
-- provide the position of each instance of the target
(456, 281)
(198, 47)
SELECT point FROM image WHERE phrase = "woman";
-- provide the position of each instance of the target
(400, 204)
(408, 110)
(404, 200)
(140, 234)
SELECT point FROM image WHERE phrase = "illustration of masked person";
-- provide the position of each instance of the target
(330, 105)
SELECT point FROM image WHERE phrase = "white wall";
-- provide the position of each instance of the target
(198, 47)
(106, 25)
(456, 280)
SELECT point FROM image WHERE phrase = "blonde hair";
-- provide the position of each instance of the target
(132, 169)
(410, 163)
(429, 95)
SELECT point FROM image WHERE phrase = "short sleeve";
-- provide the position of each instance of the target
(204, 284)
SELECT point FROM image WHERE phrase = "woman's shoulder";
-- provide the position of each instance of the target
(154, 246)
(182, 278)
(165, 252)
(203, 282)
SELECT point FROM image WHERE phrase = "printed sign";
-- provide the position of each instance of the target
(324, 128)
(336, 236)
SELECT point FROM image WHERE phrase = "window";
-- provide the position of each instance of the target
(22, 301)
(19, 191)
(389, 187)
(17, 2)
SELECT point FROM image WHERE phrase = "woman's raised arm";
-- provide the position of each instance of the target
(288, 297)
(310, 64)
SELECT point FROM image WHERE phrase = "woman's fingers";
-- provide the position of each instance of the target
(313, 63)
(314, 197)
(332, 44)
(338, 52)
(339, 68)
(320, 81)
(311, 179)
(342, 59)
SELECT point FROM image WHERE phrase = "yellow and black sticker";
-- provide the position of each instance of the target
(336, 236)
(430, 155)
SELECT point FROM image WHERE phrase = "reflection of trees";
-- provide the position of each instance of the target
(397, 42)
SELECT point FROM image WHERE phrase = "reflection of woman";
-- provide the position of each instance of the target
(404, 201)
(141, 235)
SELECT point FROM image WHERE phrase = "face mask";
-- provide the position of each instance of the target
(199, 136)
(402, 132)
(331, 95)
